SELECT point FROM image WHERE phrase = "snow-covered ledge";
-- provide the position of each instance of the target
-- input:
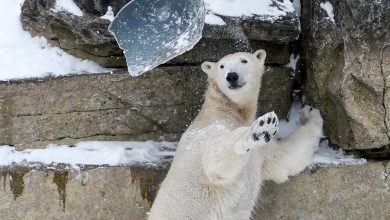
(268, 20)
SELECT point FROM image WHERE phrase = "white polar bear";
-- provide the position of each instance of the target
(224, 155)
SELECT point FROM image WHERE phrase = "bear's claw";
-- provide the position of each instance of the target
(265, 127)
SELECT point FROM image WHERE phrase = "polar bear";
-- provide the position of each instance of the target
(225, 154)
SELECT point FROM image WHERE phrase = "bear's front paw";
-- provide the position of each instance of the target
(264, 128)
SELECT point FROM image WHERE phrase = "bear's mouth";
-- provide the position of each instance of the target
(236, 86)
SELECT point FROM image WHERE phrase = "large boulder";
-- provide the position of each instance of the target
(346, 60)
(88, 37)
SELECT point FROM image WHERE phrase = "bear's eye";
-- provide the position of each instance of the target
(244, 61)
(222, 66)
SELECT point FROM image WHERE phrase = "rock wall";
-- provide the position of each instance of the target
(100, 107)
(128, 192)
(347, 68)
(345, 59)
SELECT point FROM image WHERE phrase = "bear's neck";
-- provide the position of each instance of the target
(218, 107)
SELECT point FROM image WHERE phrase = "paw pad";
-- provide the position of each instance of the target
(265, 127)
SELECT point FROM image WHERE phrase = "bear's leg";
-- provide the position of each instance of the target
(294, 153)
(227, 154)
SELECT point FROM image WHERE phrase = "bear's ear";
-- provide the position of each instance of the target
(260, 55)
(207, 67)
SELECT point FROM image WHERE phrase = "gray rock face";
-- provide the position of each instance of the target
(100, 107)
(348, 70)
(275, 92)
(351, 192)
(209, 49)
(88, 37)
(159, 104)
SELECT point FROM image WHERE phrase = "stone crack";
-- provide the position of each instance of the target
(384, 92)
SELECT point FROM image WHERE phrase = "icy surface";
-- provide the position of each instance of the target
(23, 56)
(266, 9)
(91, 153)
(153, 32)
(328, 7)
(68, 6)
(109, 14)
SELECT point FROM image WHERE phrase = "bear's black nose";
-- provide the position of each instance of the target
(232, 77)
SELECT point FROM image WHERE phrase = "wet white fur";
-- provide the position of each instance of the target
(213, 176)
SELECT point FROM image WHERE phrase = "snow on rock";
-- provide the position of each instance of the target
(67, 6)
(91, 153)
(23, 56)
(109, 14)
(214, 19)
(267, 9)
(297, 6)
(293, 62)
(327, 156)
(328, 7)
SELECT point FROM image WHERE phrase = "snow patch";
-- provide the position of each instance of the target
(297, 6)
(23, 56)
(327, 156)
(328, 7)
(293, 62)
(267, 9)
(214, 19)
(109, 14)
(68, 6)
(109, 153)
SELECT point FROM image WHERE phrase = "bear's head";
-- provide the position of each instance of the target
(238, 75)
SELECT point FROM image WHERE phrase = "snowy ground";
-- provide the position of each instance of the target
(23, 56)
